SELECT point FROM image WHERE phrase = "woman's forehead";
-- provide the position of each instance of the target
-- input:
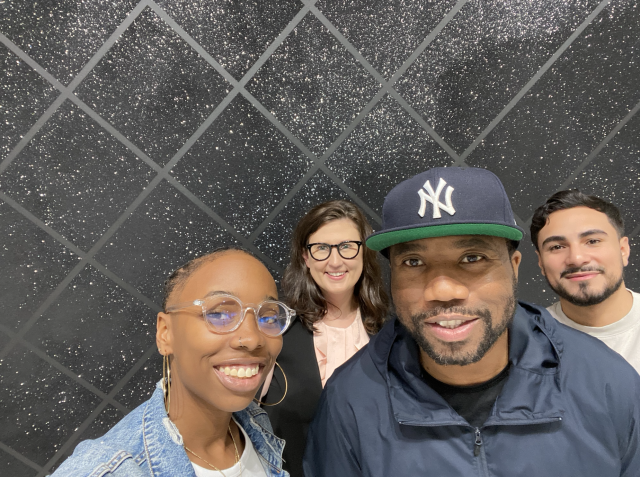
(234, 272)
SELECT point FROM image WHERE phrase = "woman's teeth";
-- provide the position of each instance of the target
(239, 371)
(450, 323)
(336, 274)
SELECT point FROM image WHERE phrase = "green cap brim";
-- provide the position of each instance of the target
(387, 239)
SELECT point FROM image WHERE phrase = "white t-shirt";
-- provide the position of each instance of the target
(248, 466)
(622, 336)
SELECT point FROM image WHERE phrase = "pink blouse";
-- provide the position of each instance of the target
(334, 345)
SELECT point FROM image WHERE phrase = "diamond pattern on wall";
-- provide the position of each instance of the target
(153, 87)
(313, 85)
(189, 125)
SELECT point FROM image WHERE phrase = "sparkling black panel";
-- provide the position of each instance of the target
(142, 385)
(386, 33)
(95, 329)
(235, 33)
(568, 112)
(9, 465)
(313, 85)
(465, 77)
(75, 176)
(33, 264)
(153, 87)
(632, 271)
(39, 407)
(62, 35)
(532, 286)
(163, 234)
(27, 96)
(615, 174)
(242, 167)
(386, 148)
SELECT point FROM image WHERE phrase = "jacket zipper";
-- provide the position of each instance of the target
(476, 449)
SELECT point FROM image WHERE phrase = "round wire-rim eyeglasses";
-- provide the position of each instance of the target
(345, 249)
(224, 313)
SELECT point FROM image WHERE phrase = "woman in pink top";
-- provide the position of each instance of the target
(334, 284)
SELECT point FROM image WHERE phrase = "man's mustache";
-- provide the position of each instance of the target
(570, 270)
(453, 310)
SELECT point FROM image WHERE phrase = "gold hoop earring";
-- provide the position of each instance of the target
(286, 387)
(166, 382)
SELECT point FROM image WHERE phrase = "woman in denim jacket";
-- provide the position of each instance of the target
(201, 420)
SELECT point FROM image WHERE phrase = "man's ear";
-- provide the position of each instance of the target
(625, 250)
(163, 334)
(540, 263)
(516, 259)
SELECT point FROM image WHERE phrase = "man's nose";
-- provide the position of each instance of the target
(577, 256)
(444, 289)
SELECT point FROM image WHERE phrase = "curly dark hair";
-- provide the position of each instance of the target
(567, 199)
(301, 291)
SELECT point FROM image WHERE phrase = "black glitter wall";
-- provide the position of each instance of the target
(138, 134)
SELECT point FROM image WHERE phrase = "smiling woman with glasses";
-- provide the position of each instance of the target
(219, 333)
(334, 284)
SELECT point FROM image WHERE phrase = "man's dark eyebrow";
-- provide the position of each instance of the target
(475, 241)
(553, 238)
(407, 247)
(586, 233)
(562, 238)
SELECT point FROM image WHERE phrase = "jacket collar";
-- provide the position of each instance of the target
(530, 395)
(163, 442)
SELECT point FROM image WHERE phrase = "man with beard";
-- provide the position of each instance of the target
(582, 253)
(465, 381)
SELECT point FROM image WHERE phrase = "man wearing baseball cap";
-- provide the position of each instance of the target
(465, 380)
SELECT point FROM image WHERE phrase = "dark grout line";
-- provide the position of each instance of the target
(434, 135)
(67, 91)
(53, 296)
(30, 134)
(634, 232)
(80, 253)
(283, 203)
(20, 457)
(351, 194)
(429, 39)
(559, 52)
(96, 412)
(600, 146)
(63, 369)
(211, 213)
(74, 437)
(386, 87)
(593, 154)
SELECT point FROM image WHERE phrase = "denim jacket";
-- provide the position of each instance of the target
(146, 443)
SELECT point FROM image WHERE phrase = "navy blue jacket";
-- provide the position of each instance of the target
(570, 407)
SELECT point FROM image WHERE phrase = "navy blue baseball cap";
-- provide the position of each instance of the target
(446, 201)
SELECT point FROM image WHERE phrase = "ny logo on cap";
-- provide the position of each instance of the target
(434, 198)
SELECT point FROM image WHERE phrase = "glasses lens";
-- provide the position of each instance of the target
(320, 251)
(222, 313)
(272, 318)
(348, 249)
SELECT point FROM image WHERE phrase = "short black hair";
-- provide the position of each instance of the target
(568, 199)
(182, 273)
